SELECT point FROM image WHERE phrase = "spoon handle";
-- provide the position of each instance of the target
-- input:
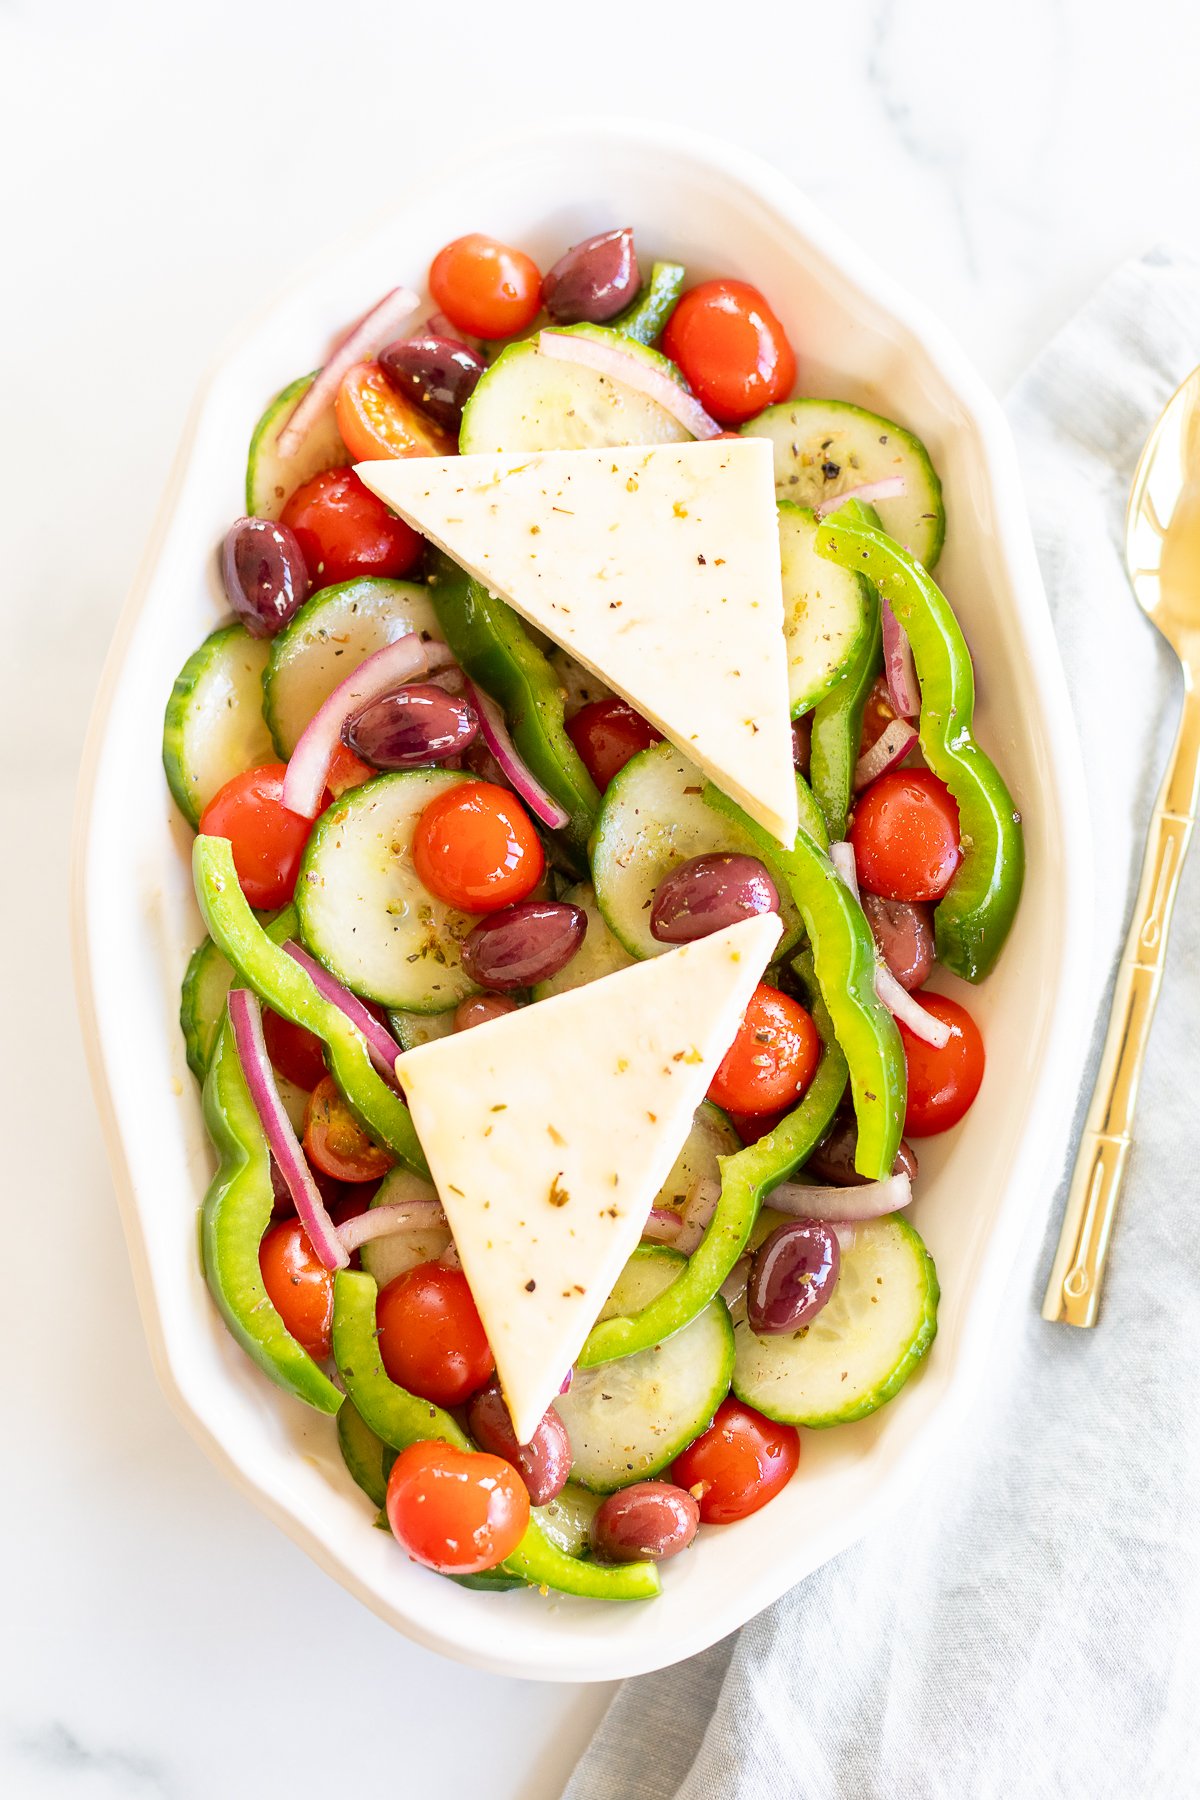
(1073, 1293)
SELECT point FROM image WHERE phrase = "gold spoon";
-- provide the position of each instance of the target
(1162, 554)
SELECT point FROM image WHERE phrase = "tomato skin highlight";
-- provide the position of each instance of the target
(299, 1287)
(475, 848)
(905, 836)
(942, 1084)
(335, 1142)
(732, 349)
(484, 287)
(607, 733)
(344, 530)
(431, 1338)
(737, 1465)
(297, 1054)
(373, 420)
(772, 1059)
(456, 1511)
(267, 840)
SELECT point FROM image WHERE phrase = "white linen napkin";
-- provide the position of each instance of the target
(1029, 1626)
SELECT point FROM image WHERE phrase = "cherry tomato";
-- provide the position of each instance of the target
(771, 1060)
(347, 771)
(456, 1511)
(606, 734)
(296, 1053)
(374, 420)
(475, 848)
(299, 1287)
(268, 841)
(750, 1127)
(335, 1142)
(732, 349)
(484, 288)
(738, 1464)
(942, 1084)
(878, 714)
(345, 530)
(905, 836)
(431, 1337)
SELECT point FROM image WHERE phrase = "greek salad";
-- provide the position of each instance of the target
(585, 790)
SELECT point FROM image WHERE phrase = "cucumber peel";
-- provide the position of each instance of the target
(271, 480)
(206, 986)
(214, 727)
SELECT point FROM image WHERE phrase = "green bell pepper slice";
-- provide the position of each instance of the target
(973, 919)
(493, 646)
(837, 726)
(645, 320)
(400, 1419)
(282, 984)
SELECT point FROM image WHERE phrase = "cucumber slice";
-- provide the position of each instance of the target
(825, 622)
(527, 401)
(362, 909)
(386, 1257)
(712, 1136)
(202, 999)
(412, 1029)
(653, 817)
(579, 686)
(272, 479)
(213, 729)
(825, 447)
(862, 1346)
(567, 1519)
(329, 637)
(628, 1419)
(599, 954)
(362, 1452)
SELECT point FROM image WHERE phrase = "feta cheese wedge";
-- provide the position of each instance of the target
(657, 567)
(550, 1130)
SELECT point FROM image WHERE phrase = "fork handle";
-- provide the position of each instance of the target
(1073, 1293)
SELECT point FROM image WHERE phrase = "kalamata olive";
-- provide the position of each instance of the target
(522, 944)
(707, 893)
(904, 934)
(802, 743)
(417, 724)
(439, 374)
(543, 1464)
(480, 1009)
(792, 1275)
(265, 579)
(833, 1159)
(594, 281)
(652, 1519)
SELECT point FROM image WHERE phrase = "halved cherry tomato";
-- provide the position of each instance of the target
(431, 1337)
(347, 771)
(738, 1464)
(942, 1084)
(268, 841)
(475, 848)
(374, 420)
(485, 288)
(905, 836)
(335, 1141)
(345, 530)
(296, 1053)
(456, 1511)
(298, 1286)
(878, 714)
(771, 1060)
(732, 349)
(750, 1127)
(606, 734)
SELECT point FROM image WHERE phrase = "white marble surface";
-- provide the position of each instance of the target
(164, 170)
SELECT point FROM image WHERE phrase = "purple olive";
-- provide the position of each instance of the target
(438, 374)
(792, 1275)
(543, 1464)
(265, 578)
(802, 743)
(416, 725)
(903, 931)
(653, 1519)
(522, 944)
(594, 281)
(707, 893)
(481, 1009)
(833, 1159)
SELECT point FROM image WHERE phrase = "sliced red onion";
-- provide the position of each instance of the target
(871, 1200)
(844, 1232)
(904, 690)
(381, 1044)
(841, 855)
(908, 1009)
(450, 1258)
(245, 1018)
(698, 1209)
(567, 1379)
(633, 372)
(891, 487)
(410, 658)
(439, 326)
(733, 1287)
(662, 1226)
(891, 746)
(384, 1221)
(496, 736)
(372, 331)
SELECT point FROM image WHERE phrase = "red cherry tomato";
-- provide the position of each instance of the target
(345, 530)
(296, 1053)
(606, 734)
(347, 771)
(335, 1142)
(431, 1337)
(374, 420)
(486, 289)
(738, 1464)
(905, 836)
(456, 1511)
(732, 349)
(268, 841)
(771, 1060)
(878, 714)
(750, 1127)
(475, 848)
(942, 1084)
(299, 1287)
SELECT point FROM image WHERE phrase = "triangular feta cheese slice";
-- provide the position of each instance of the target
(657, 567)
(550, 1130)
